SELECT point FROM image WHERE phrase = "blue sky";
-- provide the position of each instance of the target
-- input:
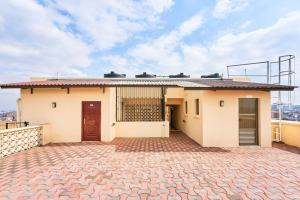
(88, 38)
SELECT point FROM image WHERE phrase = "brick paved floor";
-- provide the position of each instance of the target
(149, 169)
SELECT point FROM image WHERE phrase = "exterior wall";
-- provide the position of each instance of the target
(142, 129)
(65, 119)
(174, 101)
(214, 126)
(290, 132)
(221, 124)
(174, 93)
(190, 123)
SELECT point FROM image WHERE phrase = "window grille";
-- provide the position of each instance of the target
(140, 104)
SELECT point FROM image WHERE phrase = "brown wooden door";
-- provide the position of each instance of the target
(91, 120)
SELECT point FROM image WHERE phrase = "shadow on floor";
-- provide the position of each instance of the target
(286, 147)
(177, 142)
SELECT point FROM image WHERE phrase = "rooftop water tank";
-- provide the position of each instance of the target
(215, 75)
(112, 74)
(180, 75)
(145, 75)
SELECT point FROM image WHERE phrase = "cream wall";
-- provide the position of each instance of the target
(214, 126)
(290, 132)
(142, 129)
(219, 126)
(174, 93)
(65, 119)
(190, 123)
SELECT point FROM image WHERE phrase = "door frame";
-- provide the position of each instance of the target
(82, 118)
(256, 121)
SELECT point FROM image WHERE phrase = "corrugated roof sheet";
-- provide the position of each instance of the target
(187, 83)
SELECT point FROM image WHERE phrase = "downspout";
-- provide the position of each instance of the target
(19, 110)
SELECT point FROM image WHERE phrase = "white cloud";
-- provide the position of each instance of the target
(42, 39)
(161, 52)
(169, 54)
(191, 25)
(30, 43)
(245, 24)
(108, 23)
(224, 7)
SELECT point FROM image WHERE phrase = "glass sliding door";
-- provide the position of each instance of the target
(248, 120)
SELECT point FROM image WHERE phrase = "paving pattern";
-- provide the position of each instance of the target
(149, 169)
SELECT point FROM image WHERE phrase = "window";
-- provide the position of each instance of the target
(186, 107)
(197, 106)
(139, 104)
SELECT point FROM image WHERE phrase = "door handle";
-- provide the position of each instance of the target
(83, 120)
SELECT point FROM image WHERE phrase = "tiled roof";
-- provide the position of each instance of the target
(187, 83)
(230, 84)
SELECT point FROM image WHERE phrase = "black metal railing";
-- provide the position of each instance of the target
(9, 125)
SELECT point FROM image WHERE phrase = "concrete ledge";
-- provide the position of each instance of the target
(142, 129)
(18, 129)
(290, 132)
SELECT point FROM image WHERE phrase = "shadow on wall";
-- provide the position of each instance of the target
(177, 142)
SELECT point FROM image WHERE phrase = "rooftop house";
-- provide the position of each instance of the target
(213, 111)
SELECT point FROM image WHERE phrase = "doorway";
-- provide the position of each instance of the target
(172, 116)
(248, 121)
(91, 120)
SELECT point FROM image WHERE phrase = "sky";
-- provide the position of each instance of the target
(77, 38)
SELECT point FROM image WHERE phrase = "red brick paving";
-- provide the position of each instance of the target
(94, 170)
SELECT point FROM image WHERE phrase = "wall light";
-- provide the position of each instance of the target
(53, 104)
(222, 103)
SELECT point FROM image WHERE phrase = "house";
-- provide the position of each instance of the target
(215, 112)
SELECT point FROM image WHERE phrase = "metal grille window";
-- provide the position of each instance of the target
(140, 104)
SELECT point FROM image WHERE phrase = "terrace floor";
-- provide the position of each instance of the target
(152, 168)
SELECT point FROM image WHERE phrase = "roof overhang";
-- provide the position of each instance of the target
(187, 84)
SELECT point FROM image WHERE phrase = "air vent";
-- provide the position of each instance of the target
(215, 75)
(112, 74)
(181, 75)
(145, 75)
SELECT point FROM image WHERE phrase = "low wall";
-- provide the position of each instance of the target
(290, 132)
(19, 139)
(46, 136)
(142, 129)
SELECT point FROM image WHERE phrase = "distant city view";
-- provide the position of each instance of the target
(8, 116)
(291, 113)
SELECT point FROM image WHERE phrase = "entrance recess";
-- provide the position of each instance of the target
(248, 121)
(91, 118)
